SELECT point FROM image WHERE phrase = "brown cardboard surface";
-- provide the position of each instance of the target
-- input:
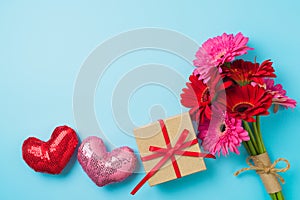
(151, 135)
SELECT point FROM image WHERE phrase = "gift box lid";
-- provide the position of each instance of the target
(151, 135)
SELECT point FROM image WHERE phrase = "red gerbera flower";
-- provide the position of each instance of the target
(245, 102)
(245, 72)
(197, 97)
(200, 97)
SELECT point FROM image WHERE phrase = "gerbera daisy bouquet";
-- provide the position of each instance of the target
(227, 96)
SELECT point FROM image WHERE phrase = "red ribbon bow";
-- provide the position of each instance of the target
(169, 153)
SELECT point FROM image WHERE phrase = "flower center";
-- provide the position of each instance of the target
(222, 128)
(205, 95)
(221, 55)
(242, 107)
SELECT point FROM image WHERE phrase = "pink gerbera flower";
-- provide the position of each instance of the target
(218, 50)
(223, 134)
(203, 129)
(279, 95)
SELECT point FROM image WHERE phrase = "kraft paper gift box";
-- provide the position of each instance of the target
(152, 135)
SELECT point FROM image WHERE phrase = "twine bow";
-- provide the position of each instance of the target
(260, 168)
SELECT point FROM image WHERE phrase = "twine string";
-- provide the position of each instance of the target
(260, 168)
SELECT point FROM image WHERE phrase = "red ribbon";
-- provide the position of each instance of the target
(169, 153)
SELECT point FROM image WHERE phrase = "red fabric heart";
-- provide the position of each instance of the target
(51, 156)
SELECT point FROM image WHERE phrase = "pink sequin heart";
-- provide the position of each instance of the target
(105, 167)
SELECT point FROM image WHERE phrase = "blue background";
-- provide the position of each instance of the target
(43, 45)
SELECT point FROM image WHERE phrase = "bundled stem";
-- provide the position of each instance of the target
(255, 146)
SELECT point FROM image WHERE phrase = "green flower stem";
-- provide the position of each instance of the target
(255, 146)
(260, 135)
(273, 196)
(251, 148)
(279, 195)
(258, 138)
(252, 142)
(247, 147)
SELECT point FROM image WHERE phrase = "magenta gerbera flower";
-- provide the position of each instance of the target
(279, 95)
(223, 134)
(218, 50)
